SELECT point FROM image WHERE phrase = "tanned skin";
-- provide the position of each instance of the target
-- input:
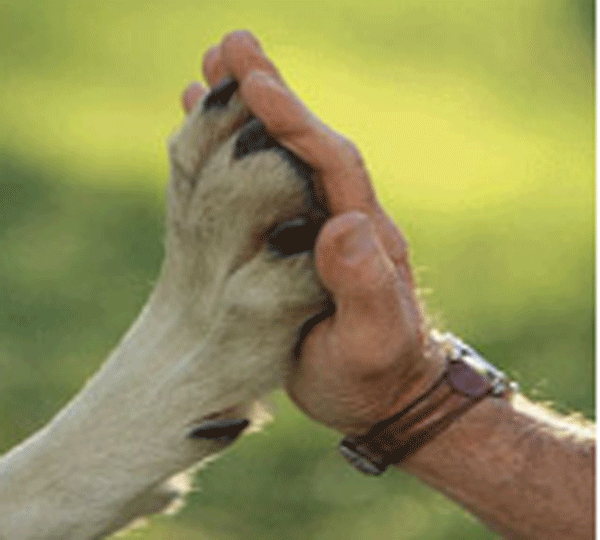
(523, 470)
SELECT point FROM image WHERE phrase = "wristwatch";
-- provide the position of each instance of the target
(468, 379)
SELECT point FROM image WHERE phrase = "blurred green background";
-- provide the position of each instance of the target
(477, 121)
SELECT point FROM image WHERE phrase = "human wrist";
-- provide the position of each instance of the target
(466, 380)
(429, 365)
(419, 370)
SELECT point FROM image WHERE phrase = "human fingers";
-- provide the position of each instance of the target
(238, 54)
(338, 163)
(337, 160)
(241, 54)
(193, 92)
(341, 169)
(213, 66)
(289, 120)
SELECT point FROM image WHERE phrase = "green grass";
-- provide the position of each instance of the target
(477, 122)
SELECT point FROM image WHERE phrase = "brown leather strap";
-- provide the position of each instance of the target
(467, 380)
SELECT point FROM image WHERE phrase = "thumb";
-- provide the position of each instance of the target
(355, 268)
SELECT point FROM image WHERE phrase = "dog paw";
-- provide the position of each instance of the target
(243, 216)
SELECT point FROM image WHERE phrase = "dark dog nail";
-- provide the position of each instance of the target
(299, 234)
(294, 236)
(255, 138)
(224, 430)
(220, 95)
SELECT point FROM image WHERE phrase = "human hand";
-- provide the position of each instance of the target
(371, 357)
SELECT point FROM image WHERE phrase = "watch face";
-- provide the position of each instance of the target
(461, 351)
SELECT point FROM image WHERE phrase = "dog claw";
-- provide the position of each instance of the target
(255, 138)
(224, 430)
(294, 236)
(220, 95)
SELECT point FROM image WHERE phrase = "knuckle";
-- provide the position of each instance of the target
(351, 152)
(395, 243)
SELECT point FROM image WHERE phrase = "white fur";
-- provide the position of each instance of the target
(216, 334)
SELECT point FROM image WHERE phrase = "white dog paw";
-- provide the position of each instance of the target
(243, 216)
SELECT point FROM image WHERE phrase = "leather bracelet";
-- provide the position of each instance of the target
(468, 379)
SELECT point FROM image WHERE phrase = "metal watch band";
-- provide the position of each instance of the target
(468, 379)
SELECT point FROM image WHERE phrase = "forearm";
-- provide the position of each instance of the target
(523, 470)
